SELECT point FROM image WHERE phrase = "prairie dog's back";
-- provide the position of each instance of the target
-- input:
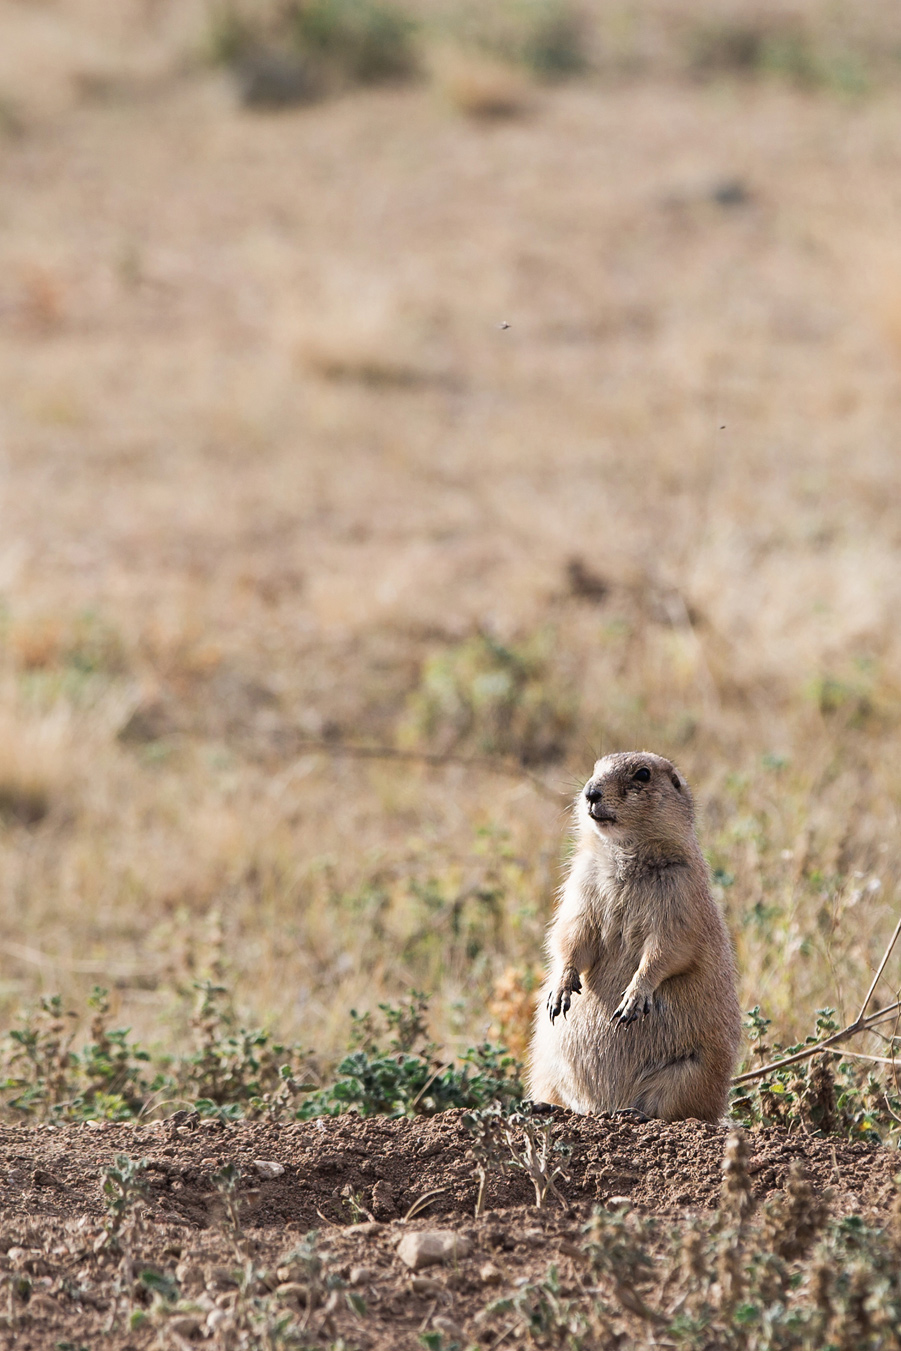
(641, 966)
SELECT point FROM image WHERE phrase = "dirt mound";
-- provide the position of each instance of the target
(354, 1181)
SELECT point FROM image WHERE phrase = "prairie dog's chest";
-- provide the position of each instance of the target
(617, 914)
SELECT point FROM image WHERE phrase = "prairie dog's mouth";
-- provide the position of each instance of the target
(601, 814)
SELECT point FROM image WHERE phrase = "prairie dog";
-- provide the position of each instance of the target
(641, 965)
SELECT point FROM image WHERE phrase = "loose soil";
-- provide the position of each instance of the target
(336, 1171)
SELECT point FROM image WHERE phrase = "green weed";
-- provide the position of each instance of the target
(363, 40)
(547, 37)
(392, 1067)
(493, 699)
(43, 1075)
(826, 1095)
(407, 1077)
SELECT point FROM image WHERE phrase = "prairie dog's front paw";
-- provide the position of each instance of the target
(560, 998)
(633, 1005)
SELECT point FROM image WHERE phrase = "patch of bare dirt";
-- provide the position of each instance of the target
(336, 1172)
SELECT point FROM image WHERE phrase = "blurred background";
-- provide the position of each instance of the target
(503, 383)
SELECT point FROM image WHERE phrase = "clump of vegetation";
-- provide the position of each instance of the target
(546, 37)
(392, 1068)
(232, 1070)
(363, 40)
(494, 699)
(409, 1076)
(826, 1094)
(503, 1138)
(776, 46)
(786, 1276)
(44, 1076)
(290, 52)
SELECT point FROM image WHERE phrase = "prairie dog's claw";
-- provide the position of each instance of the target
(560, 1000)
(631, 1008)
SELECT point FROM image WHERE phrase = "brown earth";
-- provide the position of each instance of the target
(335, 1172)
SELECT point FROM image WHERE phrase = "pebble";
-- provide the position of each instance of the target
(448, 1328)
(431, 1246)
(44, 1304)
(424, 1285)
(268, 1168)
(184, 1325)
(360, 1275)
(489, 1274)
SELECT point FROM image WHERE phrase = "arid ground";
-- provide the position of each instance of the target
(56, 1232)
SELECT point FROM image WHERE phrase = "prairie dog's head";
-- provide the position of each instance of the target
(636, 799)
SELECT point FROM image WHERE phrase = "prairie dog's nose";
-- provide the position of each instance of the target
(593, 794)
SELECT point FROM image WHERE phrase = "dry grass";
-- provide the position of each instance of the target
(269, 459)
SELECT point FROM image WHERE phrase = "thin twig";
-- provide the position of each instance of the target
(876, 1059)
(882, 964)
(859, 1025)
(509, 768)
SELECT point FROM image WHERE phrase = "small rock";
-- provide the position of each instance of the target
(360, 1275)
(189, 1277)
(268, 1168)
(619, 1201)
(365, 1229)
(431, 1246)
(184, 1325)
(448, 1328)
(42, 1303)
(424, 1285)
(41, 1178)
(214, 1320)
(221, 1278)
(489, 1274)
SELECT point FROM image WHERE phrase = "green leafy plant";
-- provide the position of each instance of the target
(234, 1069)
(407, 1077)
(547, 37)
(44, 1076)
(827, 1094)
(365, 40)
(494, 698)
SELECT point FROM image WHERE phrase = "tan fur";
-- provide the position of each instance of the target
(656, 1025)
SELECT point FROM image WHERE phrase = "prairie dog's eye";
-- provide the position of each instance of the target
(642, 775)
